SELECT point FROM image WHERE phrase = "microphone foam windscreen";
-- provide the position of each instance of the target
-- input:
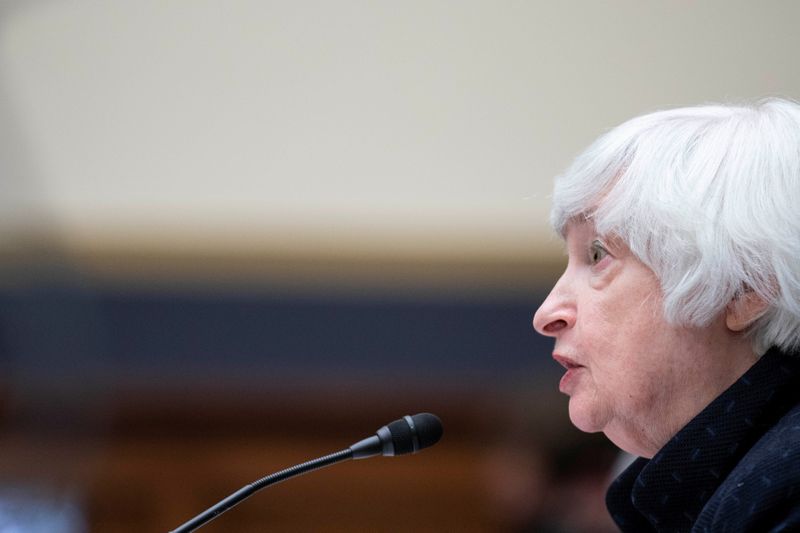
(402, 438)
(429, 429)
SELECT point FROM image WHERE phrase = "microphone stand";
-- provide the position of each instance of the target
(248, 490)
(409, 434)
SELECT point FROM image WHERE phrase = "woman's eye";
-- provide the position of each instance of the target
(597, 253)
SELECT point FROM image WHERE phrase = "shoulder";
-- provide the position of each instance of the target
(762, 493)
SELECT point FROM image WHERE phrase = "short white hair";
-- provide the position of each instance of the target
(709, 198)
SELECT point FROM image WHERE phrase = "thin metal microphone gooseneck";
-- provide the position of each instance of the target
(248, 490)
(410, 434)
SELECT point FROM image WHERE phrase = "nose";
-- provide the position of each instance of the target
(558, 312)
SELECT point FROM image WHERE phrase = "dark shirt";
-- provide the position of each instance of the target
(734, 467)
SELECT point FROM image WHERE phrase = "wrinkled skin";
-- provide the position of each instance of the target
(631, 374)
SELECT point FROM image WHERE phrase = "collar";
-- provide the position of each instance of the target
(668, 491)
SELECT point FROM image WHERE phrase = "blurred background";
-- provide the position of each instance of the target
(237, 235)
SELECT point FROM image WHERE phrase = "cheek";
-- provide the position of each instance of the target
(627, 358)
(601, 335)
(630, 326)
(630, 351)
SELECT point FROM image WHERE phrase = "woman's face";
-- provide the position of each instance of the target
(629, 373)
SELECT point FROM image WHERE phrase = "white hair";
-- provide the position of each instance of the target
(709, 198)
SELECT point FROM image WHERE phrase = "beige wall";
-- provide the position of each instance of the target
(411, 129)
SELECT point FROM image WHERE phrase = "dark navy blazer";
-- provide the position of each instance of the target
(734, 467)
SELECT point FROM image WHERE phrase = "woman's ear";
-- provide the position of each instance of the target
(743, 310)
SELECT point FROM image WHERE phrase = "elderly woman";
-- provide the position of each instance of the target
(678, 315)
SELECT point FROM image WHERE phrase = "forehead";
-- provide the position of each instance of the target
(578, 227)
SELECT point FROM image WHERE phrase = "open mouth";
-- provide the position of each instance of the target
(566, 362)
(568, 381)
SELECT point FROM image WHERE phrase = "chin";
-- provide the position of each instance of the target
(584, 417)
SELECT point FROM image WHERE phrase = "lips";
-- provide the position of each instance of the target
(567, 383)
(566, 362)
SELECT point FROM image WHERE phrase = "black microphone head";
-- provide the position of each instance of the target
(410, 434)
(429, 429)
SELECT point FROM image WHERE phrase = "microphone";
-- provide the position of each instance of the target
(409, 434)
